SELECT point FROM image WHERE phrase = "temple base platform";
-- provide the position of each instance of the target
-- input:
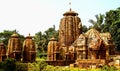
(60, 62)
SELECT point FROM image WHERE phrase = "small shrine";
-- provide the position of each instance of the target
(93, 48)
(53, 50)
(14, 47)
(29, 49)
(2, 52)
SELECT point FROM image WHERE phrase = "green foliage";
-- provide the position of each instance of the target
(84, 28)
(42, 39)
(21, 66)
(10, 64)
(2, 64)
(112, 25)
(108, 68)
(41, 65)
(98, 25)
(6, 34)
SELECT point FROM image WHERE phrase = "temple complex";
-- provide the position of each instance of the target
(80, 49)
(29, 49)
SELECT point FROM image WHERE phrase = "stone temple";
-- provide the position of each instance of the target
(77, 48)
(25, 53)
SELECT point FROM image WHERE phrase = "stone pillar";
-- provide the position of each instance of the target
(107, 54)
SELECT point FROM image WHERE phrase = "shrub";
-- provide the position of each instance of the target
(108, 68)
(10, 64)
(21, 66)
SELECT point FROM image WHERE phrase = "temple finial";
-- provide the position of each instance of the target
(29, 34)
(70, 5)
(15, 31)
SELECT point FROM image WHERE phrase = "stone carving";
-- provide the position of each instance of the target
(81, 48)
(14, 47)
(2, 52)
(29, 50)
(94, 42)
(107, 40)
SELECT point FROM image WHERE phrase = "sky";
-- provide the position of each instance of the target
(32, 16)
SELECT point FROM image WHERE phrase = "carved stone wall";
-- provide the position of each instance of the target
(29, 50)
(70, 28)
(81, 47)
(14, 47)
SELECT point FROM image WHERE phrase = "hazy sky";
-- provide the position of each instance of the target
(32, 16)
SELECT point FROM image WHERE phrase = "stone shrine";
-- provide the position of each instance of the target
(2, 52)
(81, 49)
(29, 49)
(93, 48)
(14, 47)
(53, 50)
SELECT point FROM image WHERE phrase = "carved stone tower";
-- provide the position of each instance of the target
(14, 47)
(29, 49)
(53, 50)
(70, 28)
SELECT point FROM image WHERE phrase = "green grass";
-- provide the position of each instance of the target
(1, 69)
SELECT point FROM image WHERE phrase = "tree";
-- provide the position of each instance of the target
(99, 23)
(84, 28)
(6, 34)
(42, 39)
(112, 25)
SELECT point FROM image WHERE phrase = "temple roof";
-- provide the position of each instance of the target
(52, 39)
(80, 41)
(92, 32)
(1, 44)
(14, 35)
(107, 35)
(29, 37)
(94, 39)
(72, 13)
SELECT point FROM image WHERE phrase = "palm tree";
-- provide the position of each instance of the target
(99, 23)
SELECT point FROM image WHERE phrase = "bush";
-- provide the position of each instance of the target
(108, 68)
(10, 64)
(2, 65)
(21, 67)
